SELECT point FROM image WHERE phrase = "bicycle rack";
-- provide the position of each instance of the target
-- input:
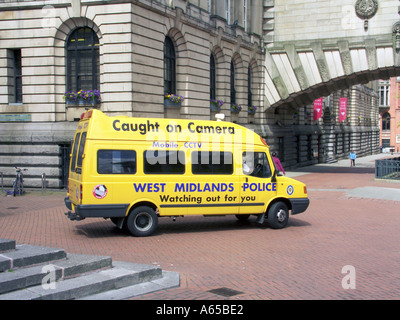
(44, 182)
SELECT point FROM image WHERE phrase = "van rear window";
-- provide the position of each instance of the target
(75, 151)
(164, 162)
(81, 150)
(116, 162)
(212, 162)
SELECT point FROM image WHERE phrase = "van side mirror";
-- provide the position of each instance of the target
(273, 179)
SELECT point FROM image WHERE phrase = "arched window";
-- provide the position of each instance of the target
(386, 122)
(212, 78)
(83, 67)
(233, 90)
(169, 67)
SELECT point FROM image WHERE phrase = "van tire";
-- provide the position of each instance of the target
(278, 215)
(142, 221)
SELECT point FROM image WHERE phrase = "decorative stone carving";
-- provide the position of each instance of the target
(366, 9)
(396, 36)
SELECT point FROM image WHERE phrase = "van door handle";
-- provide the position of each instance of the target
(247, 179)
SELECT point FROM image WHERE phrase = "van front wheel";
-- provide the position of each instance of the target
(278, 215)
(142, 221)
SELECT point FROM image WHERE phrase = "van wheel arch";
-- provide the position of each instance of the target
(140, 204)
(284, 200)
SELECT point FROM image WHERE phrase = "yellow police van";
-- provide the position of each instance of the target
(136, 170)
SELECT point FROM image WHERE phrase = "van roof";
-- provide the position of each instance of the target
(103, 127)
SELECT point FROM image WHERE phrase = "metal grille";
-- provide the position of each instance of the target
(225, 292)
(387, 169)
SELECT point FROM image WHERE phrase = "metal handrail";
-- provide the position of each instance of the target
(388, 169)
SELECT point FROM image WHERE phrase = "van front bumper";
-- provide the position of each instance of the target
(95, 211)
(299, 205)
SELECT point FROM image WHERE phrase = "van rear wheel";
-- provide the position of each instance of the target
(142, 221)
(278, 215)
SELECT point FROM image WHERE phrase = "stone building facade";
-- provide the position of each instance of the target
(134, 52)
(389, 109)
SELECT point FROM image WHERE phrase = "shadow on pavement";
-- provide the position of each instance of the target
(196, 224)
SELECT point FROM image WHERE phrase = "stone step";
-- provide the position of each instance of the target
(6, 245)
(33, 273)
(27, 255)
(168, 280)
(120, 275)
(73, 265)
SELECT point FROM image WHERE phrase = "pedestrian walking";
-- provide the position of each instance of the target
(278, 163)
(353, 157)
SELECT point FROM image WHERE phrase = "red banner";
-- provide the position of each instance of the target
(318, 108)
(342, 109)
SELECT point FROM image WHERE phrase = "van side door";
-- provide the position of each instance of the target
(256, 185)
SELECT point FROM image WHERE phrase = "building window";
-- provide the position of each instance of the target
(15, 76)
(212, 78)
(233, 90)
(249, 92)
(83, 66)
(310, 155)
(169, 67)
(281, 148)
(385, 143)
(384, 87)
(386, 122)
(298, 154)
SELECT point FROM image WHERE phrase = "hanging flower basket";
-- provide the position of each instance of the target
(173, 100)
(251, 109)
(216, 105)
(235, 108)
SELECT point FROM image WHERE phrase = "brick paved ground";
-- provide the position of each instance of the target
(302, 261)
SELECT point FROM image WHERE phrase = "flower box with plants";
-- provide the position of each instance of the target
(216, 105)
(82, 97)
(235, 108)
(251, 109)
(172, 100)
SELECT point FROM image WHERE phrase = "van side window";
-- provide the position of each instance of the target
(164, 162)
(212, 162)
(256, 164)
(81, 150)
(116, 162)
(75, 151)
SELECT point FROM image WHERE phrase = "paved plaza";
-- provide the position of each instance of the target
(345, 246)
